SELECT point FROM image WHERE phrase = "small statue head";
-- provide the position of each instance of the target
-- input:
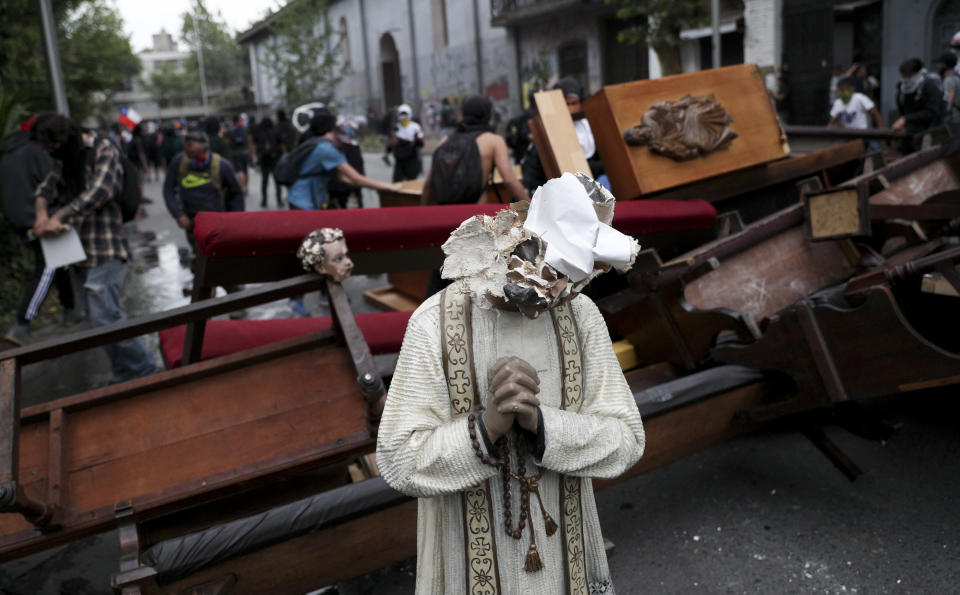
(324, 251)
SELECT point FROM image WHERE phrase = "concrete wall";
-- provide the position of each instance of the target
(549, 34)
(907, 27)
(763, 32)
(428, 73)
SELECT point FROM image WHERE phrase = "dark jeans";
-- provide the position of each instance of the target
(35, 290)
(266, 170)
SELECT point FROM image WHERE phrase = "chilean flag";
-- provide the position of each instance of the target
(129, 117)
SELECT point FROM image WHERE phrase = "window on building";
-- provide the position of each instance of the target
(344, 43)
(438, 11)
(572, 61)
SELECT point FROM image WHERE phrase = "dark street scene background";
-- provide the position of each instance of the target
(765, 512)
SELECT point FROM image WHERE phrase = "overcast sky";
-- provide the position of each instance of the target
(143, 18)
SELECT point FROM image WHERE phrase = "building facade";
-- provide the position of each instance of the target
(164, 51)
(424, 51)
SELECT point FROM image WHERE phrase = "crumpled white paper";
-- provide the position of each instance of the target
(562, 214)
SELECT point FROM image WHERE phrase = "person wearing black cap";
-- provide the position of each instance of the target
(323, 163)
(462, 165)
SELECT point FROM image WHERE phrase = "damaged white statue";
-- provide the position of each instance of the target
(507, 400)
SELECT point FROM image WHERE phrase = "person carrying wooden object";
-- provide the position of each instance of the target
(462, 166)
(490, 419)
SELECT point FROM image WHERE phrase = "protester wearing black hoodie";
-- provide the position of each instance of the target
(24, 164)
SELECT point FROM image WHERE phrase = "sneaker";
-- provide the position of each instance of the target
(19, 334)
(73, 317)
(298, 308)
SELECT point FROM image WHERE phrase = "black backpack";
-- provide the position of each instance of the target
(238, 136)
(287, 169)
(129, 198)
(456, 171)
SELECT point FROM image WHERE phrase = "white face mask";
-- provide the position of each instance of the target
(88, 138)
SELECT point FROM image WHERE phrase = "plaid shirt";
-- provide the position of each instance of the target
(94, 211)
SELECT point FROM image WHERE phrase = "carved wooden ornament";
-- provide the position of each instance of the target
(685, 129)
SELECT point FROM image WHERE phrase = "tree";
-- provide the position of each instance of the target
(304, 55)
(96, 56)
(225, 63)
(172, 86)
(658, 23)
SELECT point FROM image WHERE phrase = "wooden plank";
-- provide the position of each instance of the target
(179, 376)
(916, 186)
(55, 474)
(169, 428)
(145, 449)
(684, 431)
(559, 131)
(390, 299)
(768, 174)
(770, 275)
(326, 557)
(9, 411)
(739, 89)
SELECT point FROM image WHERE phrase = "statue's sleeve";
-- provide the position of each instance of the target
(421, 450)
(605, 438)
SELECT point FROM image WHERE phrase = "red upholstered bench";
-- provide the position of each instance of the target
(383, 332)
(227, 235)
(236, 248)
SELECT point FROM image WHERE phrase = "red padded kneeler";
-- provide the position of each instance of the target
(383, 332)
(406, 228)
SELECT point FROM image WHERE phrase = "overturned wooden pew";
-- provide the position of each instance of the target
(259, 247)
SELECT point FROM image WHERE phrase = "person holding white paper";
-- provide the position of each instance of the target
(81, 190)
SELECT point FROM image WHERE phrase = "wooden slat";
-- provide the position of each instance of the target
(9, 416)
(558, 128)
(55, 474)
(768, 174)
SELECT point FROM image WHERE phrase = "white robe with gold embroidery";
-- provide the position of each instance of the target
(424, 452)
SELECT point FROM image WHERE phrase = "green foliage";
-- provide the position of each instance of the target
(172, 86)
(11, 113)
(658, 23)
(16, 264)
(225, 62)
(304, 55)
(539, 72)
(96, 56)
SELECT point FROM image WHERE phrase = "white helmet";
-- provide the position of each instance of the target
(404, 110)
(955, 40)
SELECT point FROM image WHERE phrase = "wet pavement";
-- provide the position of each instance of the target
(761, 514)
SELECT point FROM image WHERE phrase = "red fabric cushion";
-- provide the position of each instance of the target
(404, 228)
(383, 332)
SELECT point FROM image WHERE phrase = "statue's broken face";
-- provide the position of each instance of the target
(534, 286)
(336, 263)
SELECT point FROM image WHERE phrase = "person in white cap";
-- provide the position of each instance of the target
(508, 399)
(405, 143)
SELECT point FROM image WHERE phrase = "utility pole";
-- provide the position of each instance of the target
(203, 79)
(53, 58)
(715, 13)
